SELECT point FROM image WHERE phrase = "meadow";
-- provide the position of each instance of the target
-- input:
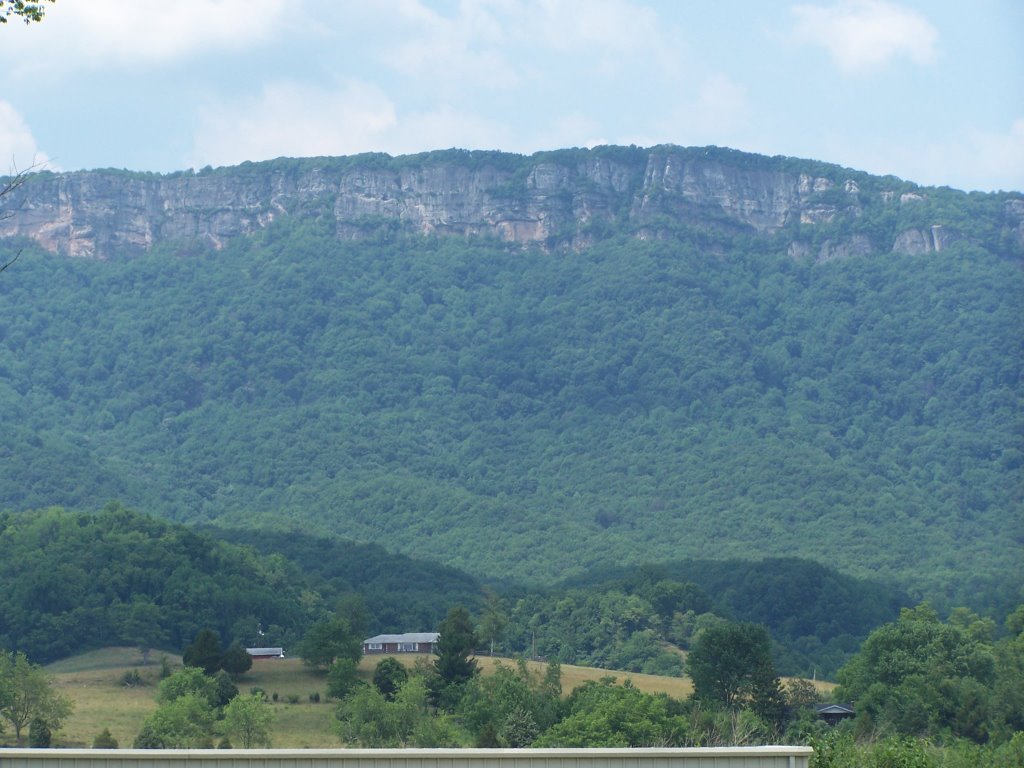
(94, 681)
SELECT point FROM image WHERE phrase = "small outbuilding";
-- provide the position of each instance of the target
(265, 653)
(835, 713)
(410, 642)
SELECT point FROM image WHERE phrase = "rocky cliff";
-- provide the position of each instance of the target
(558, 199)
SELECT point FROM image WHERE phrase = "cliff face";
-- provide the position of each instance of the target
(558, 199)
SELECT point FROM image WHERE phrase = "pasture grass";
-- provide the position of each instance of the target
(94, 683)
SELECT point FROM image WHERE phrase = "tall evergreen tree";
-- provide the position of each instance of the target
(204, 652)
(453, 665)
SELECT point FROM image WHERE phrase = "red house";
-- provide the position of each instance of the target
(410, 642)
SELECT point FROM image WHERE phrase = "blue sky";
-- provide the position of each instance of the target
(929, 91)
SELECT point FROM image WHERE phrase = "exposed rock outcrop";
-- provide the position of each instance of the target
(554, 199)
(931, 240)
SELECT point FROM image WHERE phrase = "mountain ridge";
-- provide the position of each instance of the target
(563, 198)
(687, 386)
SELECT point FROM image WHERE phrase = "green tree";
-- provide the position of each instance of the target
(188, 681)
(140, 623)
(236, 660)
(342, 677)
(603, 714)
(204, 652)
(389, 675)
(184, 723)
(225, 687)
(248, 719)
(730, 663)
(453, 666)
(921, 676)
(366, 718)
(27, 695)
(454, 647)
(27, 11)
(329, 641)
(509, 707)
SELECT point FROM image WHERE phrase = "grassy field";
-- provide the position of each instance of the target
(94, 682)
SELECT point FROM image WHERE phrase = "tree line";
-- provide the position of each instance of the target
(926, 692)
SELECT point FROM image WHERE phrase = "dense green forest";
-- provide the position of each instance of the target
(536, 414)
(78, 581)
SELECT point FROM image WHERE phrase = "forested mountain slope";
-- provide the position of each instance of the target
(704, 379)
(74, 581)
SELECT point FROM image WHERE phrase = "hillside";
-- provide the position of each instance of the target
(529, 367)
(75, 581)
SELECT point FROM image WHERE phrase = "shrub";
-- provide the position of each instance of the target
(104, 740)
(39, 735)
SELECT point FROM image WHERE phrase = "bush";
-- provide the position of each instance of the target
(104, 740)
(226, 689)
(39, 735)
(132, 679)
(900, 753)
(148, 738)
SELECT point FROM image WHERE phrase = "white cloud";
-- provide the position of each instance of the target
(293, 119)
(865, 35)
(18, 148)
(497, 43)
(101, 31)
(983, 160)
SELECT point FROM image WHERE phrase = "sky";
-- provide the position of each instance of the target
(931, 91)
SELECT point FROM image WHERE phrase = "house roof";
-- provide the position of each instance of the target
(408, 637)
(835, 709)
(265, 651)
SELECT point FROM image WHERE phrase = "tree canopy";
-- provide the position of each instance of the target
(20, 9)
(512, 411)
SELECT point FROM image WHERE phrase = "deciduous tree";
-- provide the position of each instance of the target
(731, 662)
(389, 675)
(247, 719)
(27, 695)
(26, 11)
(184, 723)
(328, 641)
